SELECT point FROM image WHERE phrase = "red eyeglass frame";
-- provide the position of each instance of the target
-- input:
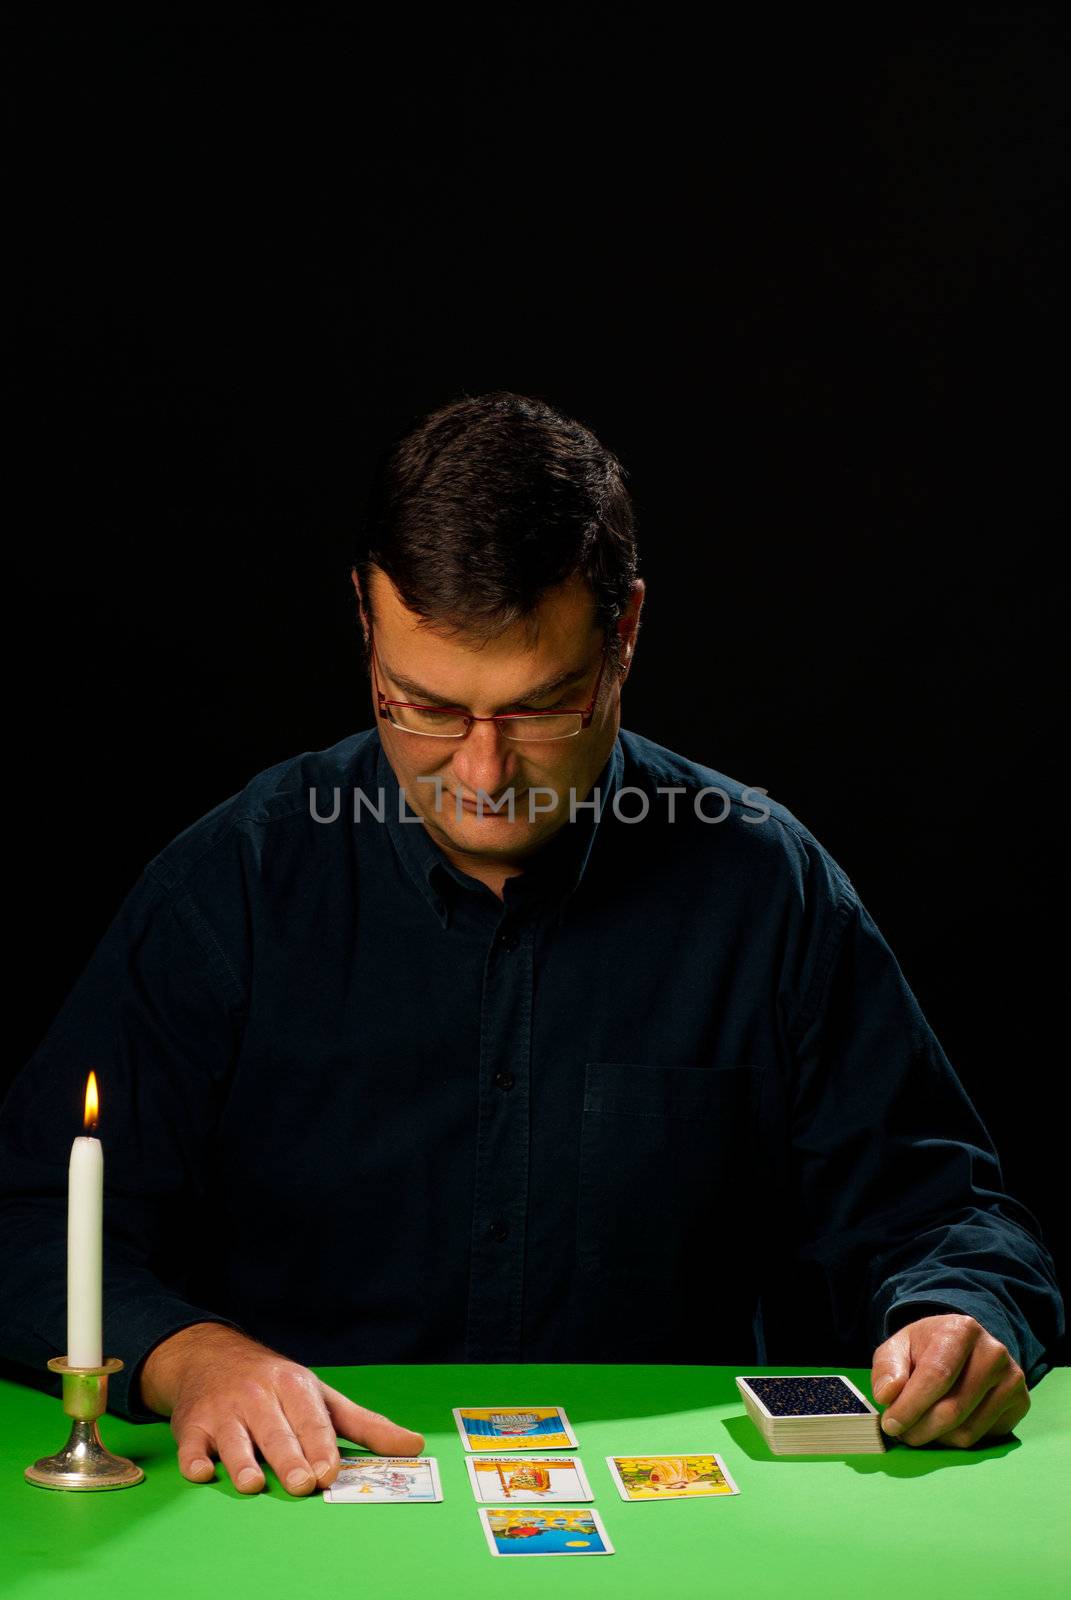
(502, 716)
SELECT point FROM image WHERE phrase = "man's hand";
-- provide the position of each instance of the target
(945, 1380)
(227, 1395)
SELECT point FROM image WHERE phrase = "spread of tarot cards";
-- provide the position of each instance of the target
(528, 1493)
(812, 1416)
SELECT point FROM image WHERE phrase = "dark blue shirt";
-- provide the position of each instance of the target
(670, 1099)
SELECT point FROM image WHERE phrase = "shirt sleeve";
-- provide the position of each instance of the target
(904, 1211)
(157, 1014)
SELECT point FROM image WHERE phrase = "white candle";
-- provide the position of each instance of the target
(85, 1229)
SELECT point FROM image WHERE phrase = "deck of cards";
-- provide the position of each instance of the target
(812, 1416)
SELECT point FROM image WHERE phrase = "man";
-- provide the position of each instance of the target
(498, 1033)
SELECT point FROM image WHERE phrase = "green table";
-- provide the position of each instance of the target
(908, 1523)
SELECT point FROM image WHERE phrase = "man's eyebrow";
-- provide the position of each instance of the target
(428, 697)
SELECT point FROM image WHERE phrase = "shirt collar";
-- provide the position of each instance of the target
(552, 875)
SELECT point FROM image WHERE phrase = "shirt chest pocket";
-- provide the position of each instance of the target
(665, 1158)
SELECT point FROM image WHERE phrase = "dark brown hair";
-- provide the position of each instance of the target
(485, 503)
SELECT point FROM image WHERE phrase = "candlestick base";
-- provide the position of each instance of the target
(84, 1463)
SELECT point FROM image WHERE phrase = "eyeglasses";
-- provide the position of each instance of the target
(452, 722)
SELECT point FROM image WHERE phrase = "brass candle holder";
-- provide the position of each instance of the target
(84, 1463)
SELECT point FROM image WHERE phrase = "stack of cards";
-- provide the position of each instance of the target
(812, 1416)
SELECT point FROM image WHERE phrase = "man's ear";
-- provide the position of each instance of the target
(629, 625)
(362, 614)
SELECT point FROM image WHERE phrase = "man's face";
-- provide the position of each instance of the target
(485, 677)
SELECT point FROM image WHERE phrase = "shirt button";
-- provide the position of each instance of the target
(498, 1231)
(508, 941)
(504, 1080)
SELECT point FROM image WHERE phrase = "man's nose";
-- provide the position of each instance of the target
(485, 759)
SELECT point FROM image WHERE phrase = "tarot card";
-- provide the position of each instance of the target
(543, 1531)
(385, 1480)
(834, 1396)
(514, 1428)
(670, 1477)
(527, 1480)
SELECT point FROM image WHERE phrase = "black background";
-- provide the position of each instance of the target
(804, 283)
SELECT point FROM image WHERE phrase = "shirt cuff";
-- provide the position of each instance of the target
(905, 1311)
(132, 1331)
(984, 1310)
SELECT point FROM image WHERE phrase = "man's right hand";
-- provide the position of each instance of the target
(229, 1396)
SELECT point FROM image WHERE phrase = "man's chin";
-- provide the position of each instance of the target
(491, 833)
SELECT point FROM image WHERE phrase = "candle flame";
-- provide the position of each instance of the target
(92, 1102)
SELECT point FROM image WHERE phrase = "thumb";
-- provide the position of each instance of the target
(376, 1432)
(891, 1369)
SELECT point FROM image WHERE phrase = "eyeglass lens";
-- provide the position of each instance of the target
(449, 725)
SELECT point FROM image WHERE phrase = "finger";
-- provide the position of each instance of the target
(238, 1456)
(1004, 1406)
(937, 1365)
(980, 1373)
(1008, 1420)
(279, 1445)
(370, 1428)
(195, 1454)
(892, 1366)
(301, 1397)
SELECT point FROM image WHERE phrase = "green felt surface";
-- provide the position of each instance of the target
(912, 1523)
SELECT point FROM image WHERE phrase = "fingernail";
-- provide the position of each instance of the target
(882, 1385)
(322, 1468)
(248, 1475)
(298, 1478)
(891, 1425)
(200, 1465)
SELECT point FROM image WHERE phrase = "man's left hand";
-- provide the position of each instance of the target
(945, 1380)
